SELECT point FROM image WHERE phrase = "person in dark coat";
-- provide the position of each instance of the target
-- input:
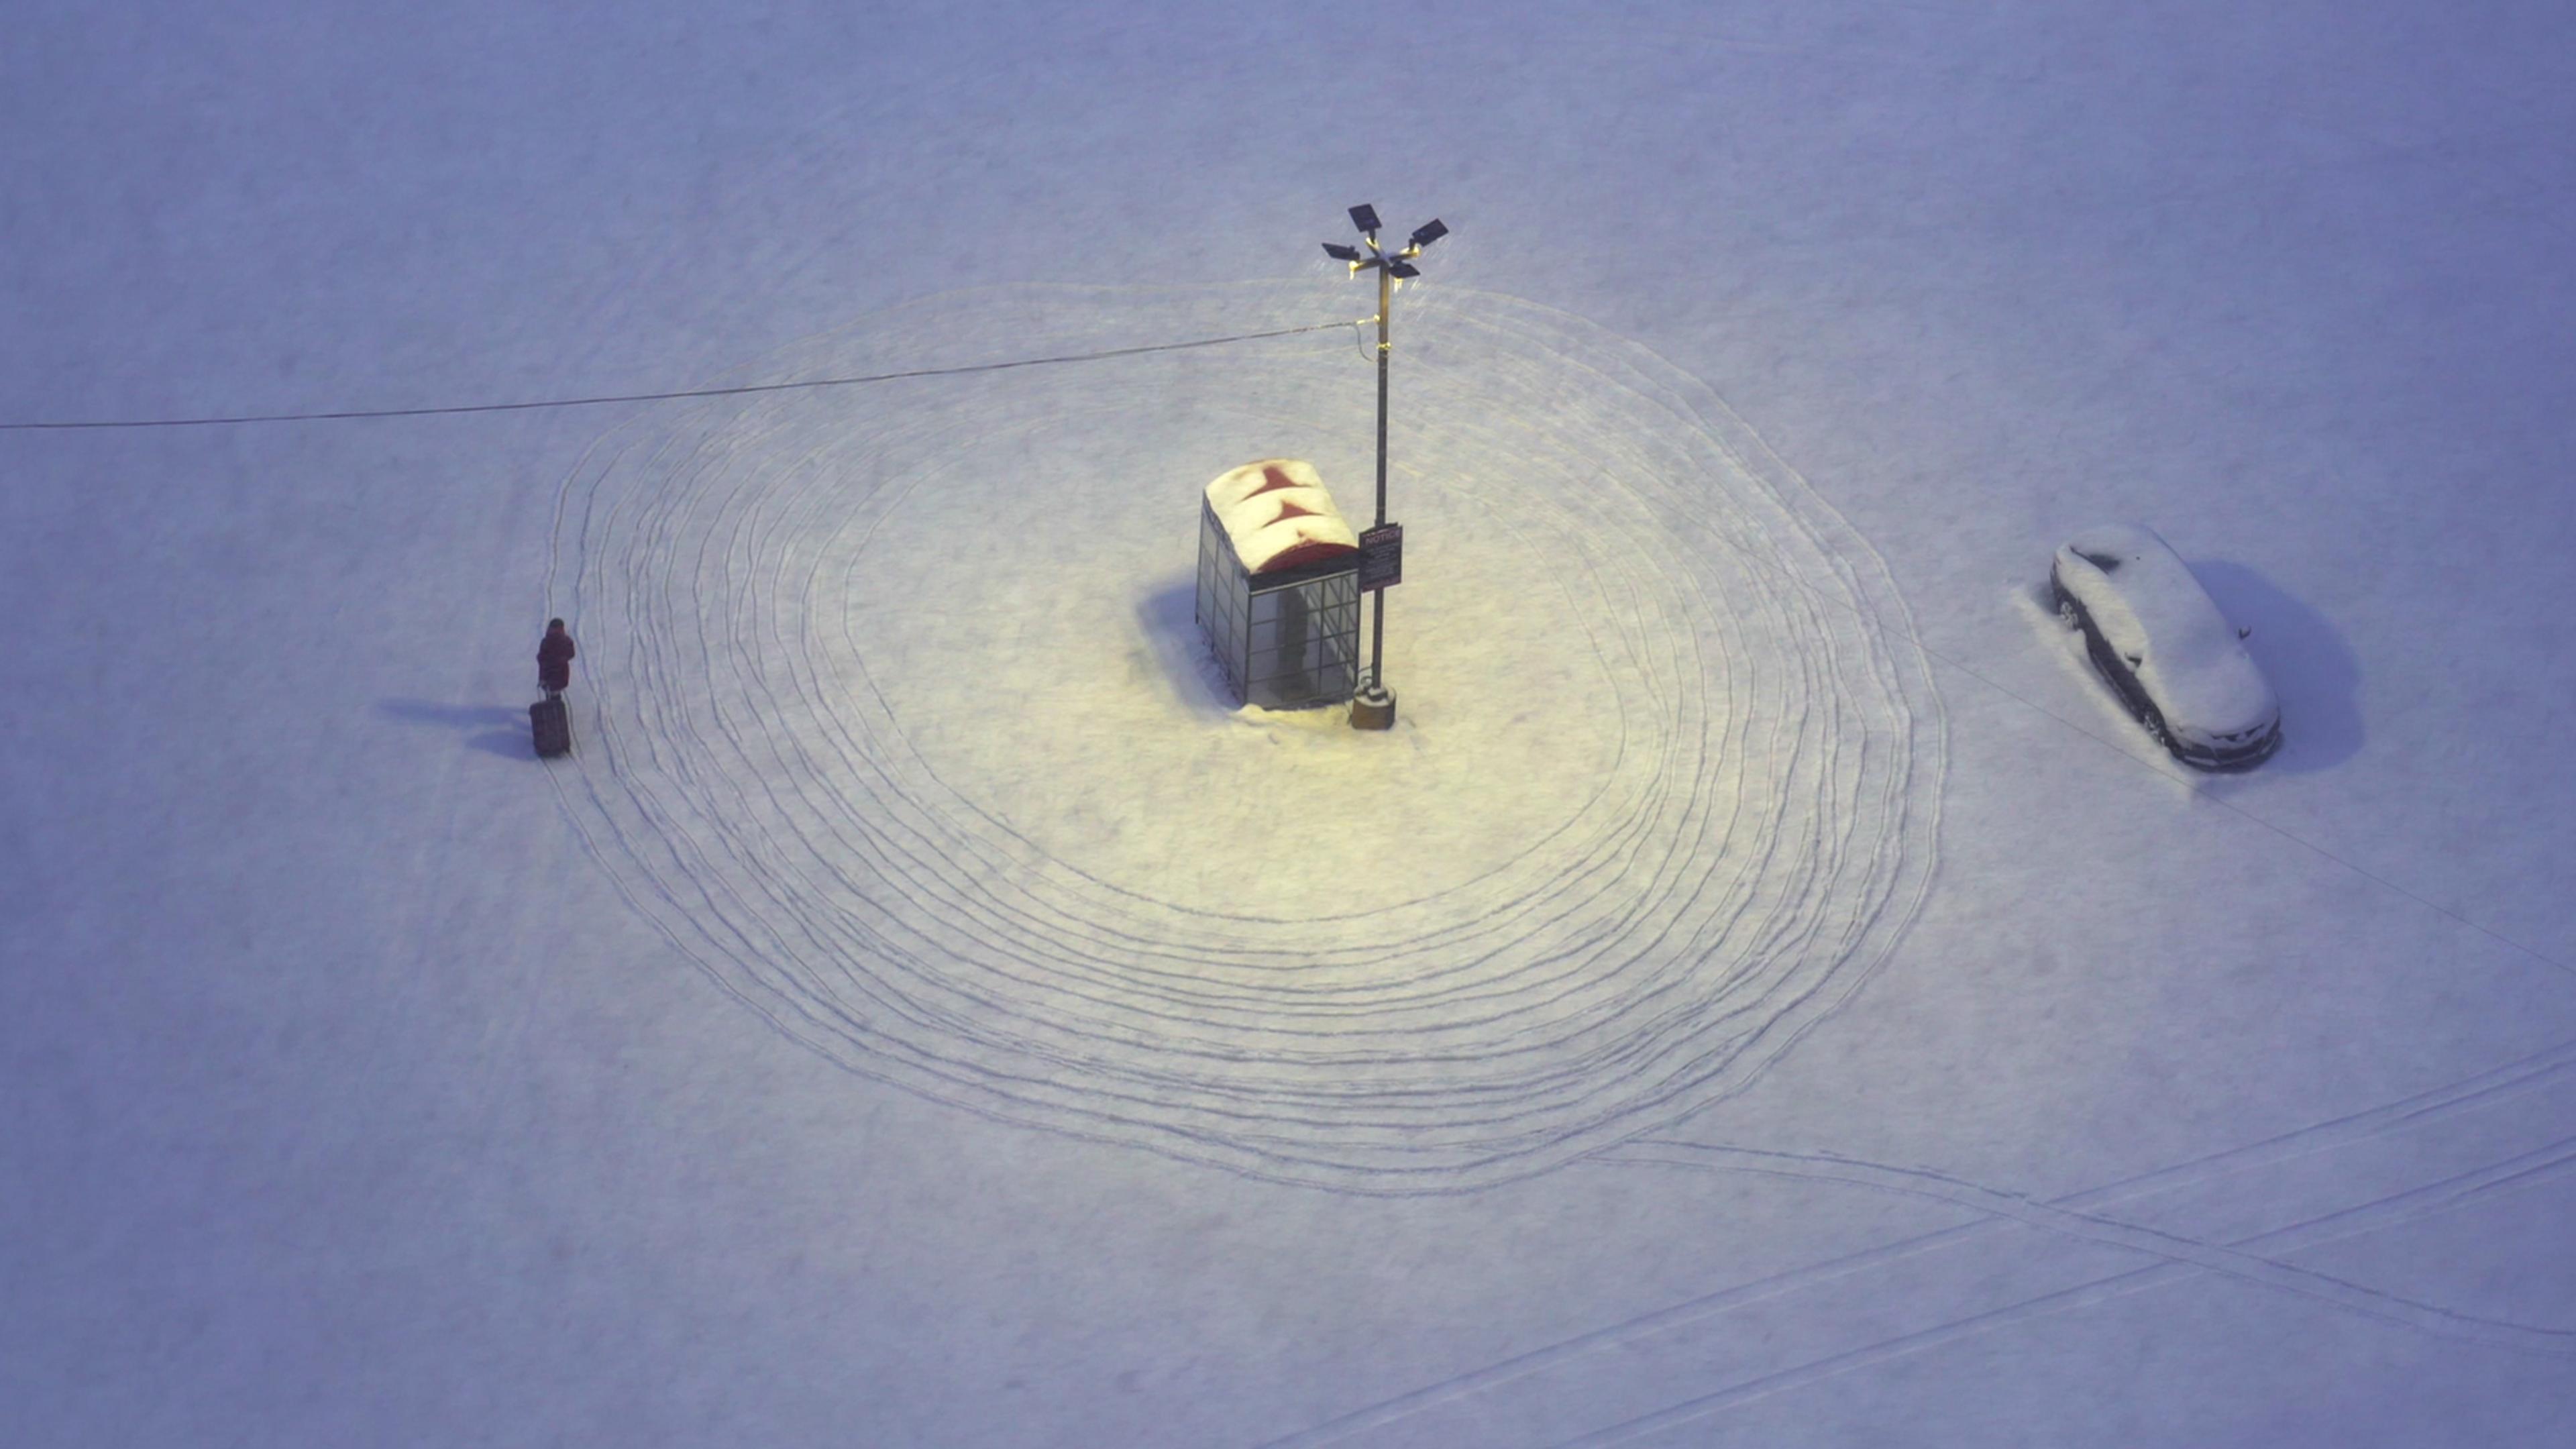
(554, 659)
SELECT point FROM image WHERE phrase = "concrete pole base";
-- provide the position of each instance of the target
(1373, 708)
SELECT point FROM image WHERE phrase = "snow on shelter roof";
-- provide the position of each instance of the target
(1278, 515)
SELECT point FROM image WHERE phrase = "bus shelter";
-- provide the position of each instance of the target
(1278, 591)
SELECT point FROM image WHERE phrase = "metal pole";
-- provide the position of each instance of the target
(1377, 614)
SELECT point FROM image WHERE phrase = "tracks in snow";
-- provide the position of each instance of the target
(875, 747)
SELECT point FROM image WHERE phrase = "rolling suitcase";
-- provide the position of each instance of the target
(553, 727)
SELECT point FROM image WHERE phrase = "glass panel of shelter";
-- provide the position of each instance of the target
(1302, 642)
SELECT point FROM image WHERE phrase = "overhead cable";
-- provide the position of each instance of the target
(745, 389)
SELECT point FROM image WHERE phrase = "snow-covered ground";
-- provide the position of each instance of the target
(1764, 991)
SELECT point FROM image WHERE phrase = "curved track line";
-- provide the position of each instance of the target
(776, 774)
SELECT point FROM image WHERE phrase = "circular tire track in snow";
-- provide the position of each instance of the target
(898, 734)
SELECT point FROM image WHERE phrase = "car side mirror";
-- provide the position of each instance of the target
(2244, 631)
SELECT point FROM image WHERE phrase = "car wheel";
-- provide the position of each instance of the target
(2155, 726)
(2067, 616)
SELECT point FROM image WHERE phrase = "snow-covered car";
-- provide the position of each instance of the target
(2159, 639)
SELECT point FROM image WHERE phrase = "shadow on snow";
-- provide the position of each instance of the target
(1168, 617)
(2311, 668)
(504, 731)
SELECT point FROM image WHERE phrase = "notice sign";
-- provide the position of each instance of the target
(1382, 557)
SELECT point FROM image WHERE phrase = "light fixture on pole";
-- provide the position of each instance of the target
(1382, 547)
